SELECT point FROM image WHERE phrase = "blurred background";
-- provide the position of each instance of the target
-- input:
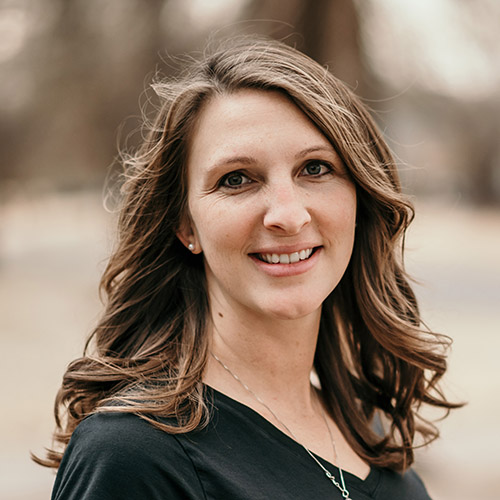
(74, 76)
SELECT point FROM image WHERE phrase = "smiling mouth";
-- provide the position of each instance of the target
(285, 258)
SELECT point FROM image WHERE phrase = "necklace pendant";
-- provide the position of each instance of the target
(343, 490)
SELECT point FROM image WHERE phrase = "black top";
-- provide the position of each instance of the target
(239, 456)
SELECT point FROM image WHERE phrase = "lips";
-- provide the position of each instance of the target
(285, 258)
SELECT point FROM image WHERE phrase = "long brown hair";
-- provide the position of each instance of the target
(149, 350)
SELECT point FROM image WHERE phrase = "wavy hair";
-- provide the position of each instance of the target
(374, 358)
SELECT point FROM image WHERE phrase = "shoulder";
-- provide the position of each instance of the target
(407, 485)
(115, 433)
(123, 440)
(119, 455)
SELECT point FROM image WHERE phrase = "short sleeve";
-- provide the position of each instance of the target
(116, 456)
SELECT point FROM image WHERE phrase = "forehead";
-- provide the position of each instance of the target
(245, 105)
(251, 121)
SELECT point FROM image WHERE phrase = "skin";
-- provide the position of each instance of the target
(262, 179)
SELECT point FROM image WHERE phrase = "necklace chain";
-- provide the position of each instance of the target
(341, 486)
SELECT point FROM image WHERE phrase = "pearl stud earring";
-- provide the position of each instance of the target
(191, 247)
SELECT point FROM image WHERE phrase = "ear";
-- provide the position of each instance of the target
(187, 235)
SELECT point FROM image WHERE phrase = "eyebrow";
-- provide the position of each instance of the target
(246, 160)
(249, 160)
(316, 149)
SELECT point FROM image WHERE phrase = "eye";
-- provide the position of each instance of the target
(316, 168)
(234, 180)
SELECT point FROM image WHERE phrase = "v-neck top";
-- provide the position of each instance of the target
(238, 456)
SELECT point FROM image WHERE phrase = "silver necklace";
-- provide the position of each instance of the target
(341, 486)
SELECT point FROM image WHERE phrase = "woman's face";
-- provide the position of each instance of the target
(270, 206)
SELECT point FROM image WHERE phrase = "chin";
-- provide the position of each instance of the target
(292, 311)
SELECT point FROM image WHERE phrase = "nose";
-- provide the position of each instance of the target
(286, 209)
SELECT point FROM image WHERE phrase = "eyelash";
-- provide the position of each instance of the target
(321, 163)
(222, 182)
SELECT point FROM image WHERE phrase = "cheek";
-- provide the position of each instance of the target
(341, 217)
(219, 229)
(349, 204)
(349, 216)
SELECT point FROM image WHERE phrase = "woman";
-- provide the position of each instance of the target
(259, 248)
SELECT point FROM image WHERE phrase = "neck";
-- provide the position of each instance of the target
(274, 357)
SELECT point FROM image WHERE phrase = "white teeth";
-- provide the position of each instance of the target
(285, 258)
